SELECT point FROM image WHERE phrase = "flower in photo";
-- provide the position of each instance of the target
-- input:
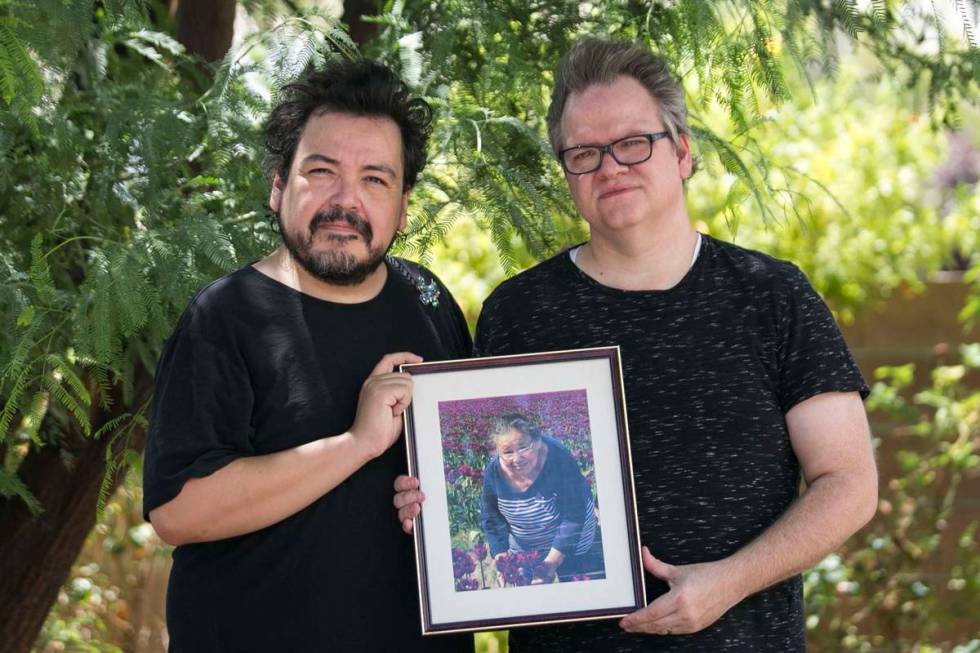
(463, 563)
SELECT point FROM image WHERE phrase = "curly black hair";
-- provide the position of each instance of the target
(361, 88)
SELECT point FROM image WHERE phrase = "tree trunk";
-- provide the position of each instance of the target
(37, 553)
(206, 27)
(360, 31)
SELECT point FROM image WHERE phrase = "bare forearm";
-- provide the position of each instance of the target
(251, 493)
(831, 509)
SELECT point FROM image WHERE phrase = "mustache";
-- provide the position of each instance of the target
(334, 215)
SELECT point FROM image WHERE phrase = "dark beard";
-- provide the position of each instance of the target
(338, 268)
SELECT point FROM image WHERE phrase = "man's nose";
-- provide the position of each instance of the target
(345, 196)
(609, 166)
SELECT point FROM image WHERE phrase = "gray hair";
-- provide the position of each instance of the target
(596, 61)
(514, 422)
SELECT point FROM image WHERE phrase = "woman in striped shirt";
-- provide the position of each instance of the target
(535, 499)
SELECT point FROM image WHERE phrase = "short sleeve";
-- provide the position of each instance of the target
(201, 411)
(813, 357)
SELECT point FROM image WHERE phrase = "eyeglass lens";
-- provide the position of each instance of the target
(626, 151)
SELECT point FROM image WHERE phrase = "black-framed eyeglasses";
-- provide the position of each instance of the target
(627, 151)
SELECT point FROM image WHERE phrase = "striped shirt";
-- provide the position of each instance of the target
(556, 511)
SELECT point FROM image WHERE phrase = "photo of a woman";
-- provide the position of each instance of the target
(520, 488)
(536, 501)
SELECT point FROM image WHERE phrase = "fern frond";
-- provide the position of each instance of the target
(62, 369)
(113, 425)
(880, 15)
(105, 487)
(34, 417)
(734, 164)
(70, 403)
(19, 75)
(113, 458)
(103, 388)
(411, 59)
(15, 376)
(160, 41)
(40, 272)
(118, 456)
(8, 75)
(967, 22)
(10, 407)
(846, 12)
(102, 317)
(12, 486)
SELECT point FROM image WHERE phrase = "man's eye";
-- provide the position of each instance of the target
(378, 180)
(632, 142)
(583, 155)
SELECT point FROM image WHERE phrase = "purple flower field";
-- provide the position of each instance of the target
(468, 447)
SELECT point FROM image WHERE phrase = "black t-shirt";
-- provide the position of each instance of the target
(711, 366)
(255, 367)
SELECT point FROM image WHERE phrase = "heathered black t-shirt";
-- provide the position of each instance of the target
(255, 367)
(711, 366)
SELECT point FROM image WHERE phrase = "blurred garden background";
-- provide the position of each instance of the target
(843, 135)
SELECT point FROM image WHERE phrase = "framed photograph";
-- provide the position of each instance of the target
(530, 515)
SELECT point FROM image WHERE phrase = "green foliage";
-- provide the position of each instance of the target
(861, 211)
(888, 591)
(125, 191)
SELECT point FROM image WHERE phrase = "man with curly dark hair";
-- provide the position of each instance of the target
(274, 435)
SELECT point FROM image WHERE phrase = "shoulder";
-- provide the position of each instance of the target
(491, 472)
(223, 294)
(557, 449)
(431, 296)
(751, 267)
(530, 286)
(241, 297)
(417, 278)
(410, 271)
(755, 277)
(227, 289)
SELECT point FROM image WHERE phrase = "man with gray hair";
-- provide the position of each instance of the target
(738, 382)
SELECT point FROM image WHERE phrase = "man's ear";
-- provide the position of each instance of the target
(403, 220)
(275, 195)
(685, 160)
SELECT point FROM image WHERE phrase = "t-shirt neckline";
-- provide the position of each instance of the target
(698, 263)
(367, 303)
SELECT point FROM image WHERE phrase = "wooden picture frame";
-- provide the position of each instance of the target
(574, 403)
